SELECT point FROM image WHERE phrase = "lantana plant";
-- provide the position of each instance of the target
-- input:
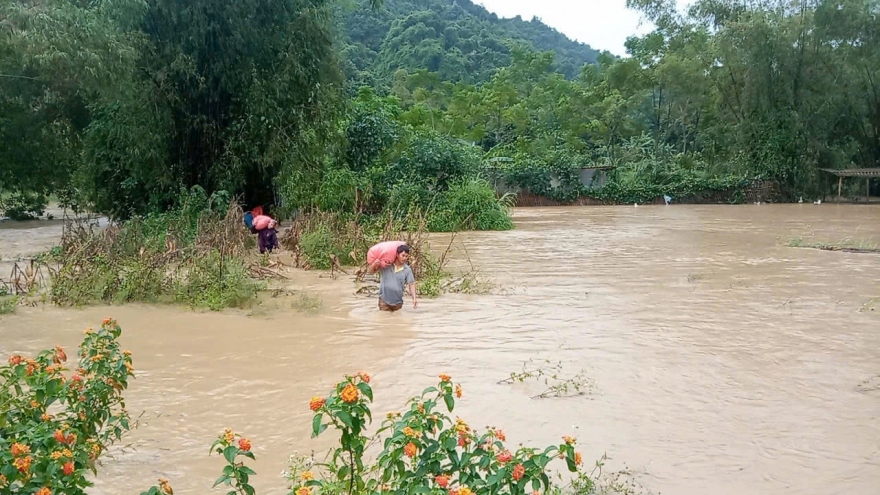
(55, 423)
(423, 450)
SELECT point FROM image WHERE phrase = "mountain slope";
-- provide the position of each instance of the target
(457, 39)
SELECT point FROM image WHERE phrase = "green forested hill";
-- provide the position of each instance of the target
(457, 39)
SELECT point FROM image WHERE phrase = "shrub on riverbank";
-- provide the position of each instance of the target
(193, 255)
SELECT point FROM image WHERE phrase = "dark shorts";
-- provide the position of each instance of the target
(384, 306)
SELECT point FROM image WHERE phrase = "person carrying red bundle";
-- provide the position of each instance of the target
(394, 278)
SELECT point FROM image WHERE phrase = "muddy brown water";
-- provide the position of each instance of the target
(724, 362)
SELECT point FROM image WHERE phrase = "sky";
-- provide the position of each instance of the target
(602, 24)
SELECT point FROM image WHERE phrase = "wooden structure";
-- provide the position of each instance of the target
(867, 173)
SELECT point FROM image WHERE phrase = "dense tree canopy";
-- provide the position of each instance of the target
(118, 105)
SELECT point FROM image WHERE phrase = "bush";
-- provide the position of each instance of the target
(54, 426)
(318, 245)
(470, 204)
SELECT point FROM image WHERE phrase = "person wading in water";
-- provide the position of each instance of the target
(393, 280)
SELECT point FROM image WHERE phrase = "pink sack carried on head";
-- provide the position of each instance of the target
(261, 221)
(385, 251)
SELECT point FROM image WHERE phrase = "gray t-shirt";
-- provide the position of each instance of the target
(392, 284)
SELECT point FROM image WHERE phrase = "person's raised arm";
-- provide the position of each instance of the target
(375, 266)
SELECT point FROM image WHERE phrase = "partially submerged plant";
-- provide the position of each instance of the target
(551, 375)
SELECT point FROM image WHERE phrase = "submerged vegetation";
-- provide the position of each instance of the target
(847, 245)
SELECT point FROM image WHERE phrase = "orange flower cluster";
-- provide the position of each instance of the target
(499, 434)
(364, 377)
(307, 476)
(69, 439)
(165, 487)
(463, 432)
(349, 393)
(317, 403)
(19, 449)
(303, 490)
(412, 433)
(44, 491)
(68, 468)
(578, 459)
(569, 440)
(445, 378)
(518, 472)
(23, 464)
(244, 444)
(15, 360)
(504, 457)
(458, 391)
(228, 436)
(60, 355)
(461, 491)
(410, 449)
(442, 480)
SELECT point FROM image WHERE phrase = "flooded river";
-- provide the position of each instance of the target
(723, 361)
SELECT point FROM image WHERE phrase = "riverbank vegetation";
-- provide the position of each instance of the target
(368, 107)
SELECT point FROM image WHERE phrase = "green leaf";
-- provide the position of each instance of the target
(316, 425)
(247, 470)
(366, 390)
(345, 418)
(493, 479)
(343, 472)
(450, 401)
(230, 452)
